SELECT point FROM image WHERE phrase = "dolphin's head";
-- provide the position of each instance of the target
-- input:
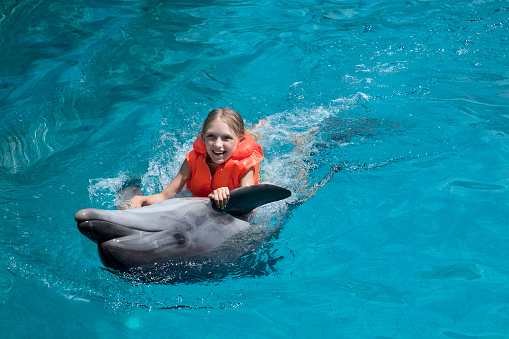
(147, 235)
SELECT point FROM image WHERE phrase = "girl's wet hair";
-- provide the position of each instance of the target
(229, 117)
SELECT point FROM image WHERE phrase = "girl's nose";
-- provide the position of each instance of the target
(218, 142)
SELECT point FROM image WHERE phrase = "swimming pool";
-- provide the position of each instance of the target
(388, 121)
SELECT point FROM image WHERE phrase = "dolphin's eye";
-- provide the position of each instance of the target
(181, 240)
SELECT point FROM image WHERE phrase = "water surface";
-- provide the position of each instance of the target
(388, 121)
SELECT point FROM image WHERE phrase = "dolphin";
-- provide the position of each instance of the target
(172, 229)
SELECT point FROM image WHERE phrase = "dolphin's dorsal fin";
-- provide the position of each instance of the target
(245, 199)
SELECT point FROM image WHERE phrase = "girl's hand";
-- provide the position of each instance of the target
(220, 197)
(136, 201)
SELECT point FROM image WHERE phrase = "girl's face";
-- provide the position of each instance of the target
(220, 141)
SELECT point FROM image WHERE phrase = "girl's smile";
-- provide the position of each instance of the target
(220, 141)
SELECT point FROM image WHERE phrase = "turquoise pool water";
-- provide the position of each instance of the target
(388, 120)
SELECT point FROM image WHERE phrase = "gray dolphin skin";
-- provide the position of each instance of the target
(175, 228)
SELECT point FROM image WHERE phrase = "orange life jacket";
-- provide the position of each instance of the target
(201, 183)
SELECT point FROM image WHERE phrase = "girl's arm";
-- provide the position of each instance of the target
(248, 178)
(170, 191)
(222, 194)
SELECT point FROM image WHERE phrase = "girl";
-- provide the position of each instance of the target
(224, 157)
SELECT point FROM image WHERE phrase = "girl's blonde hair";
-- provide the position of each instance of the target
(229, 117)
